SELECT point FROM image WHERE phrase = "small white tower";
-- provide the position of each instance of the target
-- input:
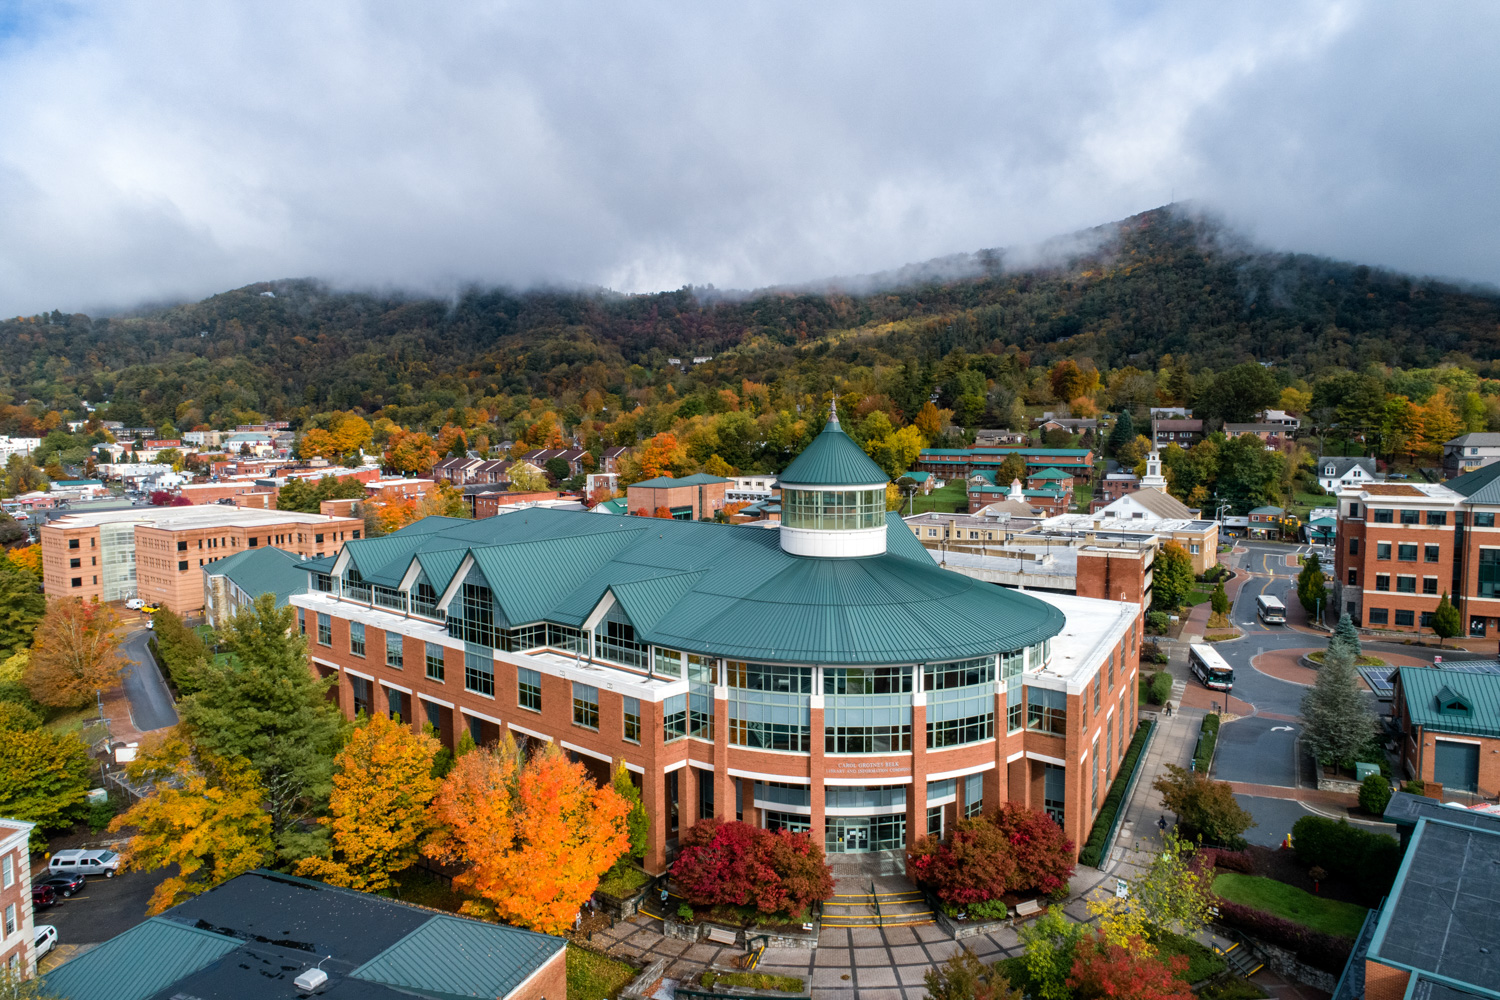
(1153, 476)
(833, 498)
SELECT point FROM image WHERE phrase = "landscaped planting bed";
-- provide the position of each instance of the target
(745, 980)
(1093, 850)
(1208, 737)
(1318, 913)
(624, 884)
(592, 976)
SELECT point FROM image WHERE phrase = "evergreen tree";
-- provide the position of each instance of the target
(1346, 637)
(1219, 600)
(1173, 574)
(1338, 722)
(1446, 622)
(1122, 433)
(1311, 588)
(266, 706)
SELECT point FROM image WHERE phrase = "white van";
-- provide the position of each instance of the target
(104, 863)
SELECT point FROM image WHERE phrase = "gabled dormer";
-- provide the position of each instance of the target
(1451, 703)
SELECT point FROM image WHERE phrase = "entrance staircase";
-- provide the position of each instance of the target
(876, 908)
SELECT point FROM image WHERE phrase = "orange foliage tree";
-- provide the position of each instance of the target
(660, 456)
(930, 421)
(74, 653)
(27, 557)
(663, 512)
(452, 440)
(206, 817)
(536, 835)
(380, 805)
(409, 451)
(1104, 970)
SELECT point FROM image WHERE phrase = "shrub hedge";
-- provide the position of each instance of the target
(1159, 687)
(1093, 849)
(1208, 736)
(1366, 859)
(1322, 951)
(1232, 861)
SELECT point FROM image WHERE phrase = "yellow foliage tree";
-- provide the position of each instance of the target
(536, 836)
(930, 421)
(73, 654)
(206, 817)
(381, 794)
(27, 557)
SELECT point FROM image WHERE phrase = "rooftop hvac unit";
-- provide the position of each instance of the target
(311, 980)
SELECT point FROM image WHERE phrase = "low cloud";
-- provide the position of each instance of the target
(154, 151)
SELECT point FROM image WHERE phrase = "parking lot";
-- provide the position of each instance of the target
(100, 910)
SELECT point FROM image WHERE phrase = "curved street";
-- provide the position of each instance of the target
(151, 705)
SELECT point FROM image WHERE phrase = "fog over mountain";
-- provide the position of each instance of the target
(156, 151)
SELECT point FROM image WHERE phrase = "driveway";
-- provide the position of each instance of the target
(151, 705)
(102, 909)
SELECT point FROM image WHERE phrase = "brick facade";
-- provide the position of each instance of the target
(16, 921)
(685, 502)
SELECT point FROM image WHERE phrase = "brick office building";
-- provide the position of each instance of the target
(1401, 546)
(155, 553)
(688, 499)
(16, 926)
(823, 676)
(1450, 728)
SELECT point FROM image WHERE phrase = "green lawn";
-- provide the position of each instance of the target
(625, 884)
(1197, 597)
(751, 980)
(951, 498)
(1082, 497)
(1326, 915)
(592, 976)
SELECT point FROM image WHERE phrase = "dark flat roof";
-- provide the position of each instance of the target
(1405, 808)
(1443, 915)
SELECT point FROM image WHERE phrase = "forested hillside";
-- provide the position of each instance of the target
(1162, 291)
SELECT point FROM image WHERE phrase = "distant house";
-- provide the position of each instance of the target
(1170, 413)
(1468, 452)
(1282, 419)
(994, 437)
(1182, 431)
(1113, 487)
(1070, 424)
(1336, 473)
(1274, 435)
(572, 456)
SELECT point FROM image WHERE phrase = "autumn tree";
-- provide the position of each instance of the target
(22, 606)
(527, 478)
(1173, 895)
(74, 653)
(660, 456)
(443, 500)
(637, 821)
(1173, 577)
(264, 705)
(1012, 468)
(1204, 807)
(44, 778)
(205, 816)
(930, 421)
(452, 441)
(409, 452)
(379, 806)
(1102, 969)
(1050, 944)
(896, 452)
(536, 836)
(734, 863)
(964, 977)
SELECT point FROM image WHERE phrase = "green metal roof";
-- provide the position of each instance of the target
(1480, 486)
(833, 459)
(465, 958)
(732, 591)
(696, 479)
(266, 570)
(1050, 473)
(1267, 510)
(1427, 690)
(619, 505)
(140, 962)
(1015, 450)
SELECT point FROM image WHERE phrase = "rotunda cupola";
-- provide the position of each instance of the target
(833, 498)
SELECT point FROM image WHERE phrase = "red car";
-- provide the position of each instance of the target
(43, 895)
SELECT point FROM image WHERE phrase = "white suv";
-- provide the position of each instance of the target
(105, 863)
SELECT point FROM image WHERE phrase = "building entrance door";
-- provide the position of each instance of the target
(856, 836)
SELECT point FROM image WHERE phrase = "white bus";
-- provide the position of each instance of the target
(1270, 609)
(1209, 667)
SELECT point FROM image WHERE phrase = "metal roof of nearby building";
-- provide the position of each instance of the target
(1442, 908)
(464, 957)
(1405, 808)
(1479, 438)
(1051, 472)
(269, 928)
(1009, 449)
(1431, 696)
(140, 962)
(666, 482)
(833, 459)
(746, 598)
(1480, 486)
(265, 570)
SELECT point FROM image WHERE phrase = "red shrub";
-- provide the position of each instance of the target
(1044, 856)
(1015, 850)
(1232, 861)
(1107, 970)
(740, 865)
(1328, 952)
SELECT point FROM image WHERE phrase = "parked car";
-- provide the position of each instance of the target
(66, 885)
(80, 862)
(135, 604)
(46, 939)
(150, 609)
(42, 895)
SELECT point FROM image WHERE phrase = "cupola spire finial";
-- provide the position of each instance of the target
(833, 407)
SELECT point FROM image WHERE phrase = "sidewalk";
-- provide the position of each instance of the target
(1139, 839)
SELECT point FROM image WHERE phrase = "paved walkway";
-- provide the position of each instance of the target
(1140, 838)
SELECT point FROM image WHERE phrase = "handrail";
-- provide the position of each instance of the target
(1140, 762)
(876, 900)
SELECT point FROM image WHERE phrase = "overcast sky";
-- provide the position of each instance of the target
(152, 151)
